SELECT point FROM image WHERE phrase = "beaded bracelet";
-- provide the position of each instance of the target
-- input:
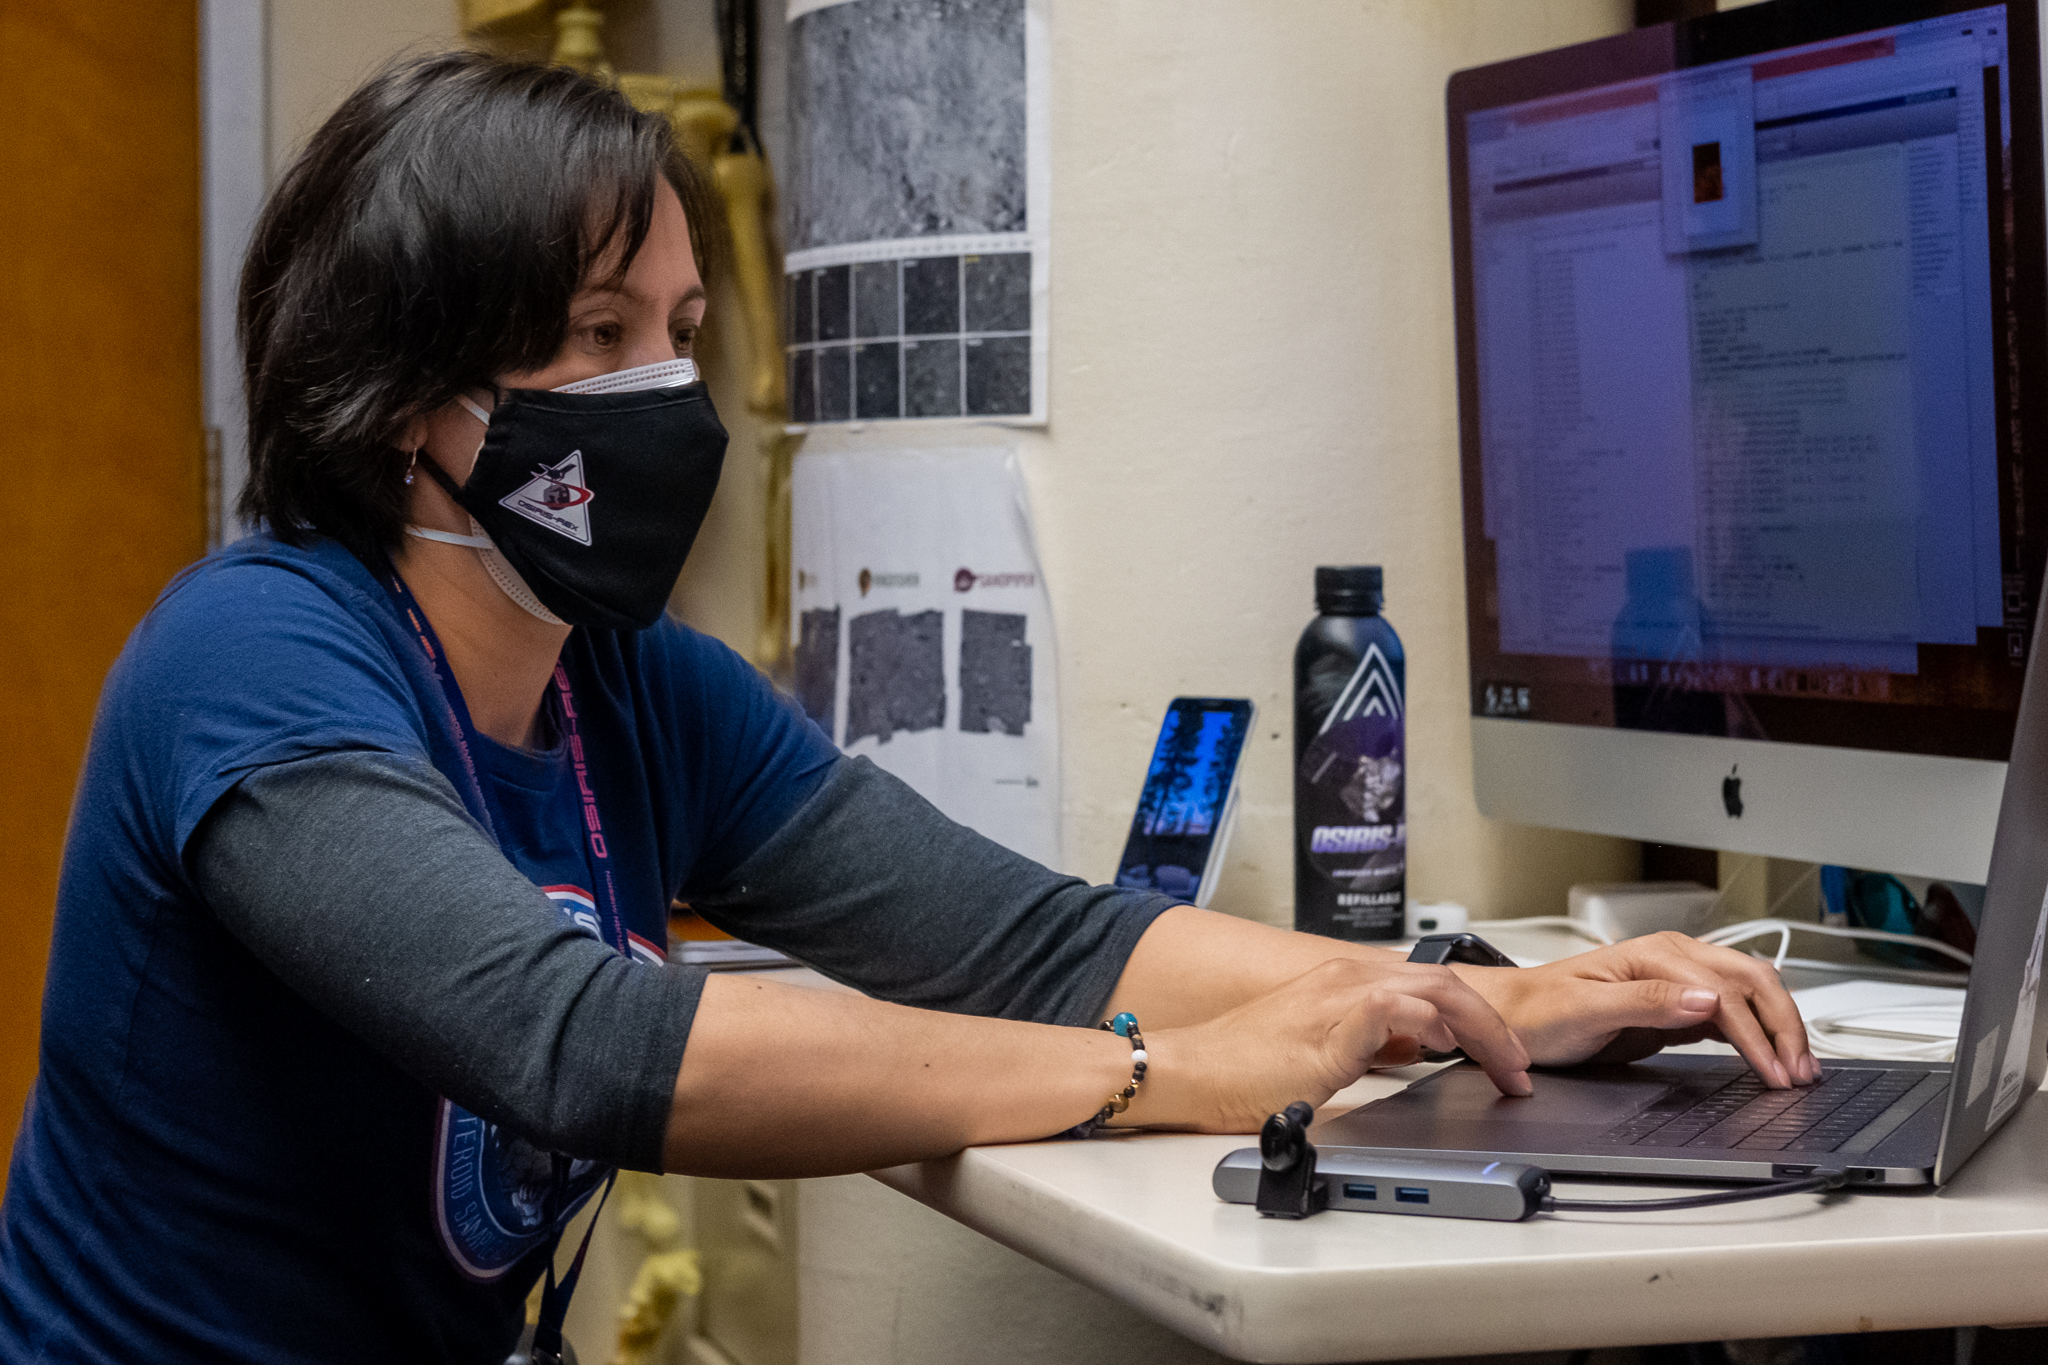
(1125, 1025)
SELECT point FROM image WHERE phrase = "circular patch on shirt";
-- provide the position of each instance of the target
(491, 1190)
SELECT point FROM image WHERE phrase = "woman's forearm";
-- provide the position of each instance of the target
(780, 1081)
(1192, 965)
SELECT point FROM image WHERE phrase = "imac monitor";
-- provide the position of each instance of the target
(1750, 339)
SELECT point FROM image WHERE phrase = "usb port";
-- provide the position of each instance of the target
(1411, 1194)
(1361, 1192)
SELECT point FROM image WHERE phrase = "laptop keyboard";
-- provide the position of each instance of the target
(1743, 1114)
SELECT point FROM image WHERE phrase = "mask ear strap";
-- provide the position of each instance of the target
(450, 538)
(474, 410)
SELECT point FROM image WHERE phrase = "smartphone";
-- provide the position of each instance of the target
(1190, 798)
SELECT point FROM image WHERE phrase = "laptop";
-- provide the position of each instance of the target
(1693, 1116)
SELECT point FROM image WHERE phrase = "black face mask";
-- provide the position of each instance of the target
(595, 498)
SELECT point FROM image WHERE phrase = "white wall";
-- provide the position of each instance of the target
(1252, 374)
(1252, 343)
(321, 50)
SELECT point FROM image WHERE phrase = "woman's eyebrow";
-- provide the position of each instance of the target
(593, 293)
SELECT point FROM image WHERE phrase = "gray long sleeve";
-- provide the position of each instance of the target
(362, 883)
(872, 886)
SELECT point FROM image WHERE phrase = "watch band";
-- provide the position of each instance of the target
(1466, 948)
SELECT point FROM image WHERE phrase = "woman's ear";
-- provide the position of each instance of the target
(412, 435)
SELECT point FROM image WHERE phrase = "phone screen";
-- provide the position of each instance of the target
(1186, 801)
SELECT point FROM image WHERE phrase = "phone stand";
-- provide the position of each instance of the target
(1288, 1184)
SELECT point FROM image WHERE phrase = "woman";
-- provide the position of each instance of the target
(357, 987)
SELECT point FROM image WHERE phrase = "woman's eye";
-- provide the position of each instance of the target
(685, 340)
(607, 334)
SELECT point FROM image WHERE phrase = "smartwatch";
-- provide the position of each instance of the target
(1469, 949)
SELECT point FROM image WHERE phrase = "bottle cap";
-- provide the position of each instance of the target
(1349, 590)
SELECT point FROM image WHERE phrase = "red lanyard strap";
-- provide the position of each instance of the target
(456, 712)
(593, 823)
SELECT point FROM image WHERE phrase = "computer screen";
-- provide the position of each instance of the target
(1750, 324)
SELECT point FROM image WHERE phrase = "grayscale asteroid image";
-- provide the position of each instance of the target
(931, 379)
(907, 120)
(874, 301)
(995, 673)
(997, 292)
(877, 381)
(835, 302)
(835, 383)
(998, 376)
(817, 664)
(895, 678)
(931, 296)
(802, 315)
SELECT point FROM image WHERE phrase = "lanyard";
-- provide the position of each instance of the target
(614, 931)
(554, 1303)
(554, 1297)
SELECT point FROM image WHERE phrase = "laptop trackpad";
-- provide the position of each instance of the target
(1446, 1109)
(1605, 1100)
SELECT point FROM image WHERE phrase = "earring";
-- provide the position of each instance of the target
(409, 467)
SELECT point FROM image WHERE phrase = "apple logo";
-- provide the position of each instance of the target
(1731, 794)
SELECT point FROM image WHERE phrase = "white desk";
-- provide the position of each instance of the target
(1134, 1218)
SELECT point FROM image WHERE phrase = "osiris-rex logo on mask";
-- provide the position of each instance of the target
(556, 498)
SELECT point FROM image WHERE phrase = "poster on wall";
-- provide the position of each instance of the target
(922, 633)
(916, 201)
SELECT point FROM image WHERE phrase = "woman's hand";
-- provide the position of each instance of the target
(1312, 1037)
(1627, 1001)
(1613, 1005)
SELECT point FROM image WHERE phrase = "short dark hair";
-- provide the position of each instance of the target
(429, 238)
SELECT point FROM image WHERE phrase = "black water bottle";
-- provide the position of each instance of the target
(1350, 763)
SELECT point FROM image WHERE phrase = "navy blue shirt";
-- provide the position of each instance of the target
(210, 1168)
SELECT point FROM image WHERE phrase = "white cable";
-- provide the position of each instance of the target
(1874, 1042)
(1729, 935)
(1732, 934)
(1722, 938)
(1910, 975)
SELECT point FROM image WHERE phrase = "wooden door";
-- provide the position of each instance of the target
(99, 409)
